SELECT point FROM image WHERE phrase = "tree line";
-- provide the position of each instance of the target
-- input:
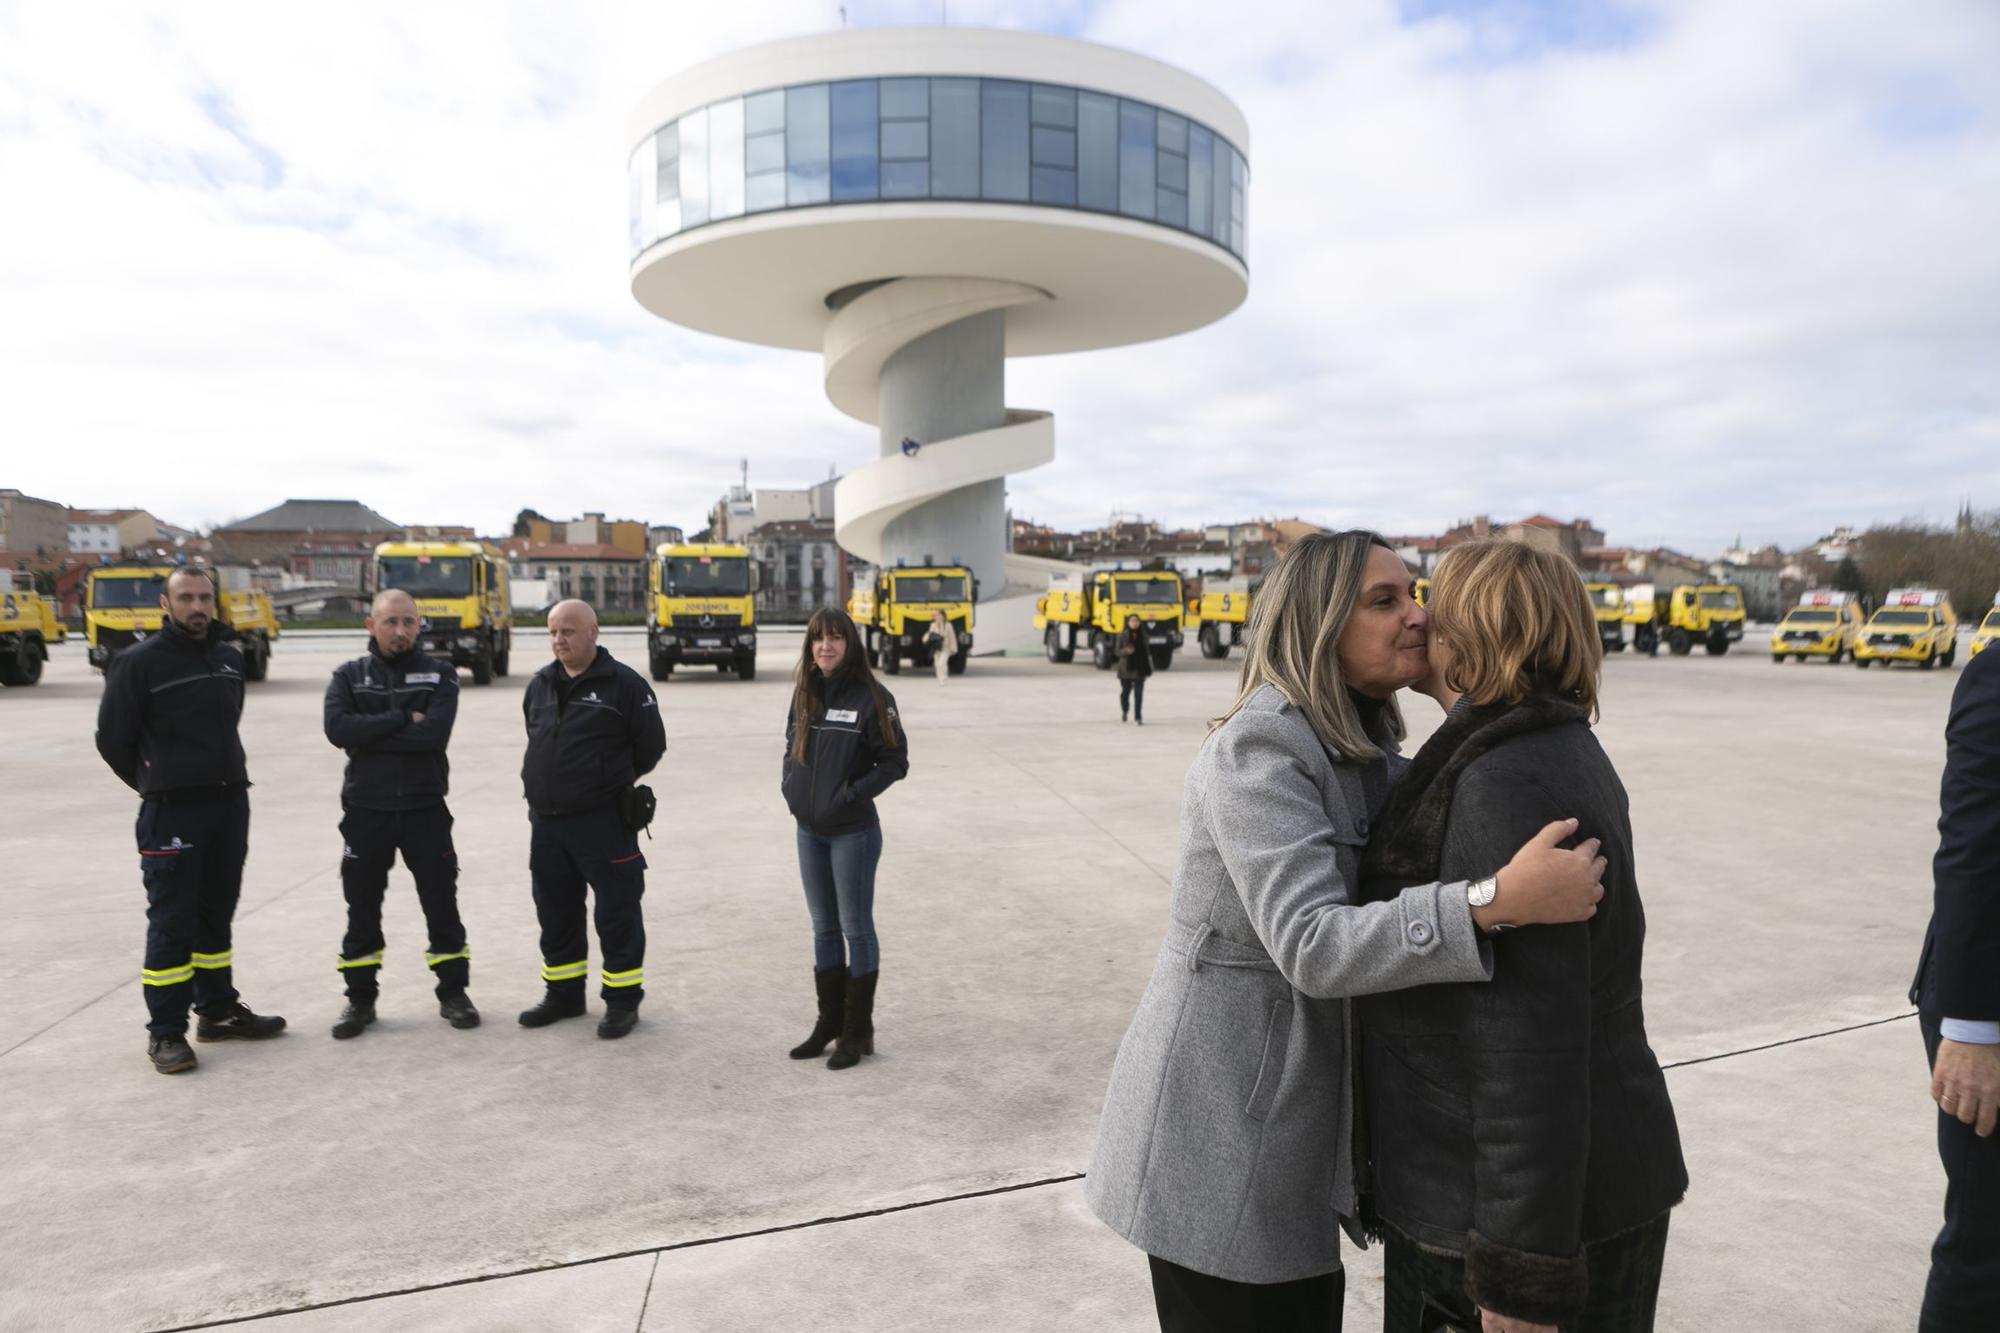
(1963, 559)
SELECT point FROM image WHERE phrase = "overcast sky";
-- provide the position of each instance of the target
(1688, 268)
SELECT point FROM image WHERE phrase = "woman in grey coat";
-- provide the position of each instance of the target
(1225, 1151)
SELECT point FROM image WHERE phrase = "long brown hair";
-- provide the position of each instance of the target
(1293, 638)
(825, 622)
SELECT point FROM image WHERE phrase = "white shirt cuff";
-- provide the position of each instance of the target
(1970, 1031)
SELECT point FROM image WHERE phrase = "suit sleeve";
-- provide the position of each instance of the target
(347, 726)
(118, 720)
(649, 733)
(434, 732)
(1965, 922)
(1528, 1053)
(888, 764)
(1267, 816)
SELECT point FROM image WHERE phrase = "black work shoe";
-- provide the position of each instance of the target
(457, 1010)
(353, 1019)
(237, 1023)
(617, 1022)
(170, 1055)
(552, 1008)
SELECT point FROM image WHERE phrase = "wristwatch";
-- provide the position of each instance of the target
(1481, 893)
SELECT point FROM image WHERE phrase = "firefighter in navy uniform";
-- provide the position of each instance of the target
(392, 712)
(167, 726)
(593, 731)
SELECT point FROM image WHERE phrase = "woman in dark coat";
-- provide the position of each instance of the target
(1524, 1151)
(1135, 663)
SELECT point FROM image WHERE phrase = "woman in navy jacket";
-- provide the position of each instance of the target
(843, 747)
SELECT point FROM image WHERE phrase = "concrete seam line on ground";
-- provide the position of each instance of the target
(647, 1299)
(1789, 1041)
(655, 1250)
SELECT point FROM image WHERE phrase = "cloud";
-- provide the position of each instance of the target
(1690, 269)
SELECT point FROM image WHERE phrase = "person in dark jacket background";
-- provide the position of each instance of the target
(1135, 663)
(844, 746)
(392, 711)
(167, 726)
(594, 730)
(1957, 994)
(1525, 1152)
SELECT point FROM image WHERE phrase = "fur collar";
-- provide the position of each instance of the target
(1408, 841)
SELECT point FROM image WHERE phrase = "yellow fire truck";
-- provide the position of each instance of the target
(1217, 620)
(1912, 625)
(1823, 624)
(121, 608)
(1988, 631)
(1090, 613)
(1710, 614)
(461, 592)
(28, 625)
(894, 614)
(1607, 601)
(701, 608)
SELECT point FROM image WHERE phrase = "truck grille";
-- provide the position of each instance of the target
(708, 622)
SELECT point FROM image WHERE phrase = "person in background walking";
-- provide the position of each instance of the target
(942, 640)
(1957, 994)
(167, 726)
(392, 711)
(844, 746)
(1135, 663)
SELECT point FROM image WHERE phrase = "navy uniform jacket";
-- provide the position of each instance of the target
(1958, 976)
(392, 762)
(590, 737)
(167, 723)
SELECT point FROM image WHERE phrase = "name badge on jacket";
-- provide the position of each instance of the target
(421, 678)
(843, 715)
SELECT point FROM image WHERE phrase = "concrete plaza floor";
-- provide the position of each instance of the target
(693, 1178)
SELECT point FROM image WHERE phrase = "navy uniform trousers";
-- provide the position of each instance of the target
(566, 854)
(191, 851)
(371, 840)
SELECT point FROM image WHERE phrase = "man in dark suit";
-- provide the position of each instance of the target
(1957, 993)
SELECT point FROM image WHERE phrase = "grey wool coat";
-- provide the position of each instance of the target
(1226, 1140)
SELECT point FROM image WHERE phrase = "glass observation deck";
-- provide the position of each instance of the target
(894, 140)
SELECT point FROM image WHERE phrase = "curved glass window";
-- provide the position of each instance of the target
(863, 140)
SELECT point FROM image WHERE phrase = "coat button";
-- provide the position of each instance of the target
(1361, 828)
(1420, 933)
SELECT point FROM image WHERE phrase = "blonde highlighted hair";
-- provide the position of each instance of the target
(1291, 642)
(1515, 620)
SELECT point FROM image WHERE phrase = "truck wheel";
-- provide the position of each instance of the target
(256, 659)
(662, 668)
(1861, 662)
(482, 667)
(746, 667)
(1052, 645)
(1927, 663)
(1779, 658)
(955, 664)
(1212, 646)
(1950, 656)
(1679, 644)
(1100, 651)
(892, 661)
(500, 663)
(1717, 646)
(22, 666)
(1163, 659)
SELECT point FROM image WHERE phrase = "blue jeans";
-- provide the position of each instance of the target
(839, 875)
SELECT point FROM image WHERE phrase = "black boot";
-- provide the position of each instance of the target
(617, 1022)
(554, 1005)
(831, 983)
(857, 1028)
(455, 1007)
(353, 1019)
(237, 1022)
(170, 1055)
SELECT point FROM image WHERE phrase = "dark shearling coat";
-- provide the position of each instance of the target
(1517, 1121)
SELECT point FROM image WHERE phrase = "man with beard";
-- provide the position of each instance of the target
(392, 711)
(168, 728)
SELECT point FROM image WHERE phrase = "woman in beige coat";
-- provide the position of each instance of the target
(942, 640)
(1225, 1151)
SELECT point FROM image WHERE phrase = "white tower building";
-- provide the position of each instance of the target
(919, 204)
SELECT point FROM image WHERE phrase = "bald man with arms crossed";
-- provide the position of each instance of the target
(392, 711)
(593, 731)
